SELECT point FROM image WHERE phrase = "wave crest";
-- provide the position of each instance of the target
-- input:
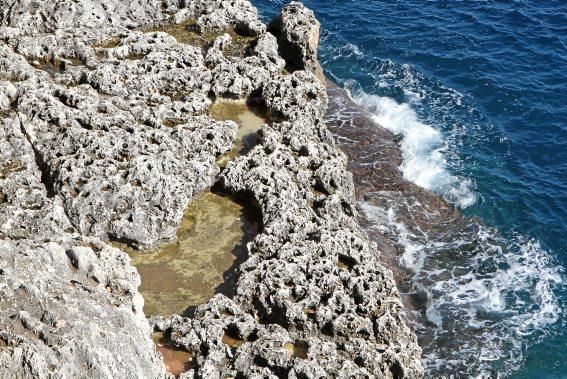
(422, 147)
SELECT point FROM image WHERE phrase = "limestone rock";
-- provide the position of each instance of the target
(295, 97)
(104, 135)
(69, 304)
(25, 208)
(221, 14)
(298, 30)
(321, 303)
(47, 16)
(120, 179)
(72, 318)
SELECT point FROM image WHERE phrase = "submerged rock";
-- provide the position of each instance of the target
(179, 276)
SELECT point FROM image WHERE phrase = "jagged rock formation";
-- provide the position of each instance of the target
(313, 299)
(68, 304)
(105, 137)
(298, 35)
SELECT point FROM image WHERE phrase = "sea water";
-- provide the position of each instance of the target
(479, 91)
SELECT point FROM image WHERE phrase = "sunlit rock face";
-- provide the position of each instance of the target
(116, 119)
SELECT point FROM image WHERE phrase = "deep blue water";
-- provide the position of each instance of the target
(479, 89)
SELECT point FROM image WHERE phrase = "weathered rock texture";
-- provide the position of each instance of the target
(298, 35)
(69, 304)
(105, 137)
(313, 299)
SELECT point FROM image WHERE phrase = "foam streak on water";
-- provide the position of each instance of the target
(487, 295)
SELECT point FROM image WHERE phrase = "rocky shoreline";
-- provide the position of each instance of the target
(106, 136)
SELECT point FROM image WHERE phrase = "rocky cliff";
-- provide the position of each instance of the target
(106, 136)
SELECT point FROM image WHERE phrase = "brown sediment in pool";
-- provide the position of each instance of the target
(310, 312)
(211, 241)
(56, 66)
(345, 263)
(135, 57)
(250, 120)
(211, 244)
(187, 32)
(298, 349)
(107, 44)
(232, 341)
(172, 122)
(176, 359)
(10, 168)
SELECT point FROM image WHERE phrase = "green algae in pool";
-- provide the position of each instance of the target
(187, 33)
(211, 243)
(176, 360)
(299, 349)
(250, 119)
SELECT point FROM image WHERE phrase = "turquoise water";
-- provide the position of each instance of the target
(479, 89)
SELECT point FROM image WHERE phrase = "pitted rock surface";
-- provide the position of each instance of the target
(298, 34)
(220, 15)
(105, 135)
(313, 299)
(68, 304)
(70, 308)
(26, 211)
(115, 127)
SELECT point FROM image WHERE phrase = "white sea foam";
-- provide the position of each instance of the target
(346, 51)
(355, 50)
(422, 148)
(485, 292)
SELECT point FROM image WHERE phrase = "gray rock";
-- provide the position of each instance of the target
(45, 16)
(104, 136)
(321, 303)
(215, 15)
(298, 30)
(70, 308)
(238, 77)
(296, 97)
(120, 179)
(70, 305)
(25, 208)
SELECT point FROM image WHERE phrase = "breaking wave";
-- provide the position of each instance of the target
(486, 296)
(422, 146)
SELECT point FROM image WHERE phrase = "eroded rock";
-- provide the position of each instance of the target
(298, 31)
(105, 136)
(70, 308)
(312, 299)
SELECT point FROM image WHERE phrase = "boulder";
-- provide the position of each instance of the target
(298, 31)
